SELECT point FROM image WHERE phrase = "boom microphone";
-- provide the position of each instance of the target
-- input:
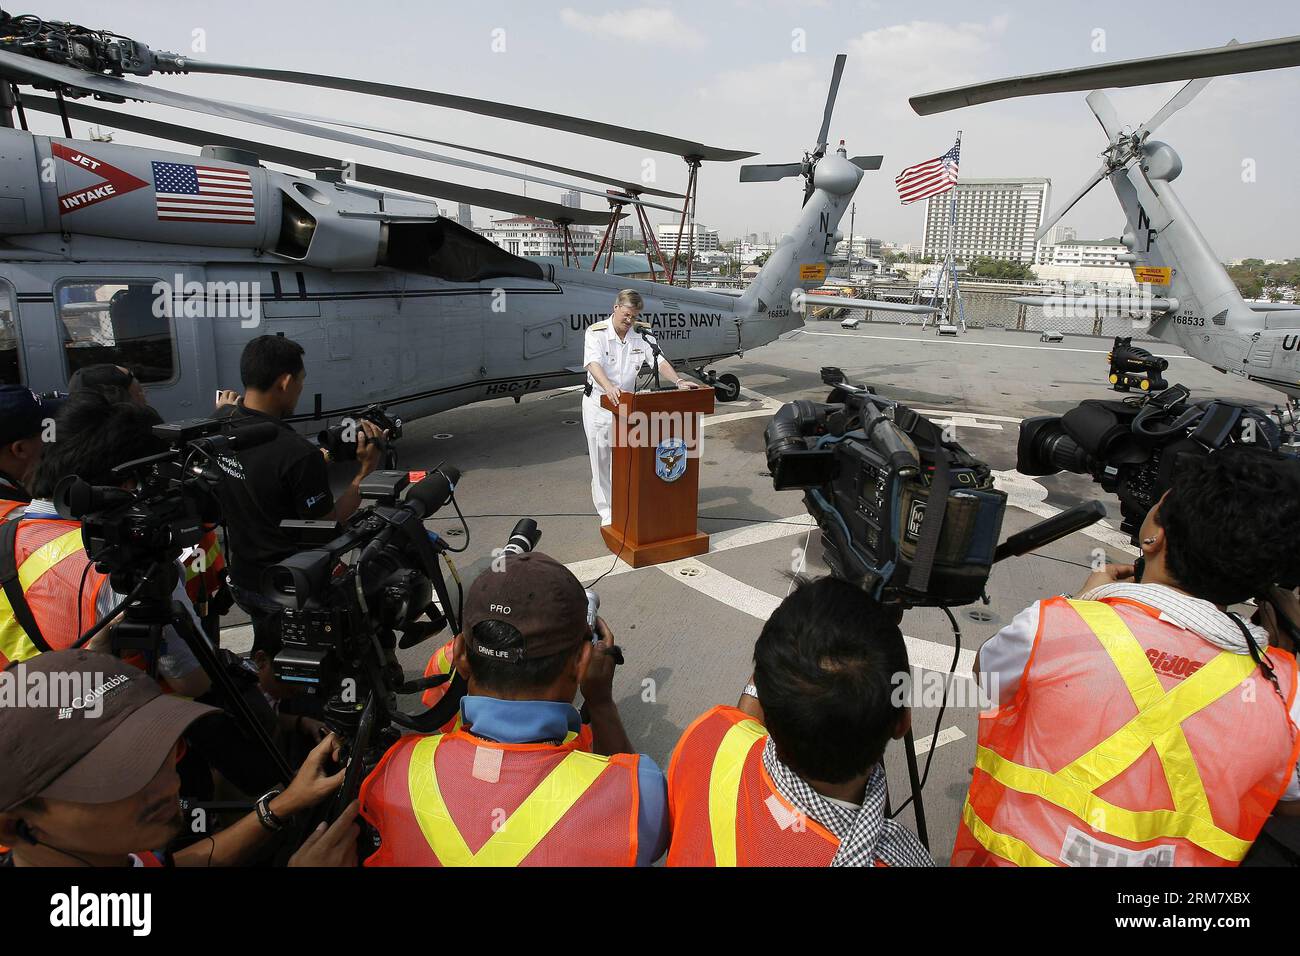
(1051, 529)
(241, 437)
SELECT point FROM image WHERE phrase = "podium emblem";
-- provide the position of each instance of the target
(670, 459)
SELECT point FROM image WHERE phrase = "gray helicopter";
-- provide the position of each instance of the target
(169, 262)
(1192, 302)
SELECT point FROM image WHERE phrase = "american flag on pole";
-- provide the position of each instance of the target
(930, 178)
(185, 193)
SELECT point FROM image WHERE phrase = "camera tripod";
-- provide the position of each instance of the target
(146, 611)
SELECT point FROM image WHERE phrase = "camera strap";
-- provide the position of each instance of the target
(927, 545)
(13, 587)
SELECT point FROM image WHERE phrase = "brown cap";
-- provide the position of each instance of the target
(84, 727)
(536, 595)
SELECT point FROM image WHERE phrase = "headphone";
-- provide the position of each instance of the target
(24, 831)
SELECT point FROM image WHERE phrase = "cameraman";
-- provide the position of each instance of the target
(513, 787)
(1148, 690)
(23, 414)
(798, 778)
(95, 784)
(285, 478)
(54, 593)
(205, 578)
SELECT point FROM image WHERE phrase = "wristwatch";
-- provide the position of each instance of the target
(265, 815)
(750, 691)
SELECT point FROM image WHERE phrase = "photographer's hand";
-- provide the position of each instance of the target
(370, 447)
(1110, 574)
(239, 843)
(597, 683)
(312, 783)
(227, 396)
(336, 846)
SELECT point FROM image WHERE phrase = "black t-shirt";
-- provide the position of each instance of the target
(281, 479)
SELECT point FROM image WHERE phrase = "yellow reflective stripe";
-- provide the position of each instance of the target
(443, 660)
(724, 787)
(14, 642)
(1182, 775)
(1002, 844)
(521, 832)
(1157, 724)
(209, 559)
(1140, 826)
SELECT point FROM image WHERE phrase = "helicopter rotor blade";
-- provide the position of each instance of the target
(1055, 217)
(298, 159)
(836, 73)
(117, 87)
(1176, 102)
(769, 173)
(622, 184)
(1147, 196)
(518, 114)
(1195, 64)
(1104, 110)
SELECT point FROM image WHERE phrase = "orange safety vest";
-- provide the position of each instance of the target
(725, 809)
(458, 800)
(203, 577)
(51, 560)
(1130, 742)
(8, 506)
(441, 663)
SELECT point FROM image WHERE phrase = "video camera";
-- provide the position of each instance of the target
(340, 440)
(912, 517)
(127, 532)
(1132, 448)
(342, 614)
(136, 537)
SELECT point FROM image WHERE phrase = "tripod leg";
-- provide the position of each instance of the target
(909, 748)
(243, 714)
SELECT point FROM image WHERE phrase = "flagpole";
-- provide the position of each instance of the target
(955, 297)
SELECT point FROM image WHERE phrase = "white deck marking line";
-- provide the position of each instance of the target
(946, 736)
(977, 345)
(757, 603)
(721, 541)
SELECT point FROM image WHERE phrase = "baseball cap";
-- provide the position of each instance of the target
(537, 596)
(99, 732)
(22, 412)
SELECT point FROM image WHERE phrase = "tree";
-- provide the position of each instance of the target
(761, 258)
(985, 267)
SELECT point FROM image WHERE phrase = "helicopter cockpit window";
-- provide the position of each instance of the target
(116, 323)
(10, 370)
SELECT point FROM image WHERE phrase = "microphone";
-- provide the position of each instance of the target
(422, 500)
(1050, 529)
(241, 437)
(432, 492)
(655, 352)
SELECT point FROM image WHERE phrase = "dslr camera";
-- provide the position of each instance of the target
(909, 516)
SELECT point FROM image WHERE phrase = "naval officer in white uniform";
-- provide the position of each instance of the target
(613, 352)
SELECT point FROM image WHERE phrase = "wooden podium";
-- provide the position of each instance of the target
(655, 475)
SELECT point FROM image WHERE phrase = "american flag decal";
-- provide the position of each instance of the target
(185, 193)
(930, 178)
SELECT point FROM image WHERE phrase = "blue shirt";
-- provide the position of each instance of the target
(535, 721)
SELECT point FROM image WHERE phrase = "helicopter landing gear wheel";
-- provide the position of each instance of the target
(726, 387)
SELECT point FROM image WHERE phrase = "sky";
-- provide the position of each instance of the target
(753, 74)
